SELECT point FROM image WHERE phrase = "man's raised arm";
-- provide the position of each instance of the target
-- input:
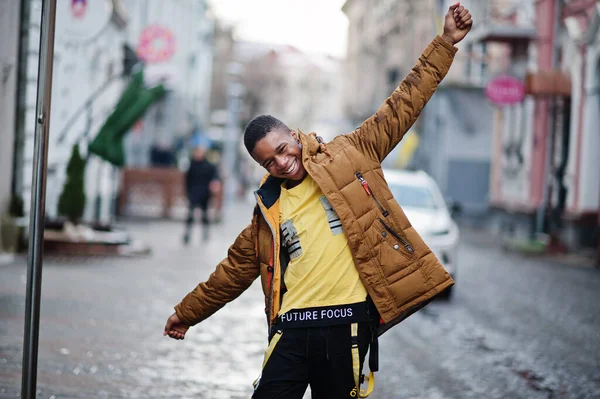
(379, 134)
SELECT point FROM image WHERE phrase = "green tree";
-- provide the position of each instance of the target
(71, 202)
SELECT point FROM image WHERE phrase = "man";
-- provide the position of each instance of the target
(199, 177)
(339, 261)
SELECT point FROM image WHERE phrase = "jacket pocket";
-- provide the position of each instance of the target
(365, 184)
(400, 241)
(393, 256)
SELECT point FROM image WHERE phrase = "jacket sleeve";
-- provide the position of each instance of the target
(233, 275)
(379, 134)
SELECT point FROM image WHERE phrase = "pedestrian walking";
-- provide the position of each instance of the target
(199, 178)
(338, 260)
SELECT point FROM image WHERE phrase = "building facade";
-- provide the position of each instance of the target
(546, 160)
(85, 86)
(223, 56)
(385, 37)
(90, 58)
(10, 12)
(580, 42)
(452, 138)
(175, 42)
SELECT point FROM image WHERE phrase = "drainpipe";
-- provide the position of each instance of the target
(580, 115)
(598, 233)
(541, 211)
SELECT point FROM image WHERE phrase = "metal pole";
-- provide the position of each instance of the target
(541, 211)
(38, 198)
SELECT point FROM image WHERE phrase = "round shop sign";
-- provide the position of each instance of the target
(156, 44)
(505, 90)
(81, 21)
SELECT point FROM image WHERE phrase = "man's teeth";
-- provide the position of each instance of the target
(290, 168)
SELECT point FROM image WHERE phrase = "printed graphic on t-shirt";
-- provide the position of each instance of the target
(290, 238)
(335, 224)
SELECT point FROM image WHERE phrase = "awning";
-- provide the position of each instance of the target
(134, 102)
(553, 82)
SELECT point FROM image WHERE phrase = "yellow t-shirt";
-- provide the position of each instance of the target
(321, 270)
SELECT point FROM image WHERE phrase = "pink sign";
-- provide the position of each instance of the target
(156, 44)
(505, 90)
(78, 8)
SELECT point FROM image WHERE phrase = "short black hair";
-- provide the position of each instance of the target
(258, 128)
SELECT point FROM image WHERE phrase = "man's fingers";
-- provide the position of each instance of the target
(453, 6)
(177, 335)
(463, 23)
(462, 14)
(458, 10)
(168, 326)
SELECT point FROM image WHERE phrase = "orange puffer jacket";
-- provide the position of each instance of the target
(398, 270)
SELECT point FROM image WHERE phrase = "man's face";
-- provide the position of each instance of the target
(280, 154)
(199, 153)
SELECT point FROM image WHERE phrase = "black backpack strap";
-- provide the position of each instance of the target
(374, 344)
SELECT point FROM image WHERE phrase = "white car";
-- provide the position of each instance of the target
(424, 205)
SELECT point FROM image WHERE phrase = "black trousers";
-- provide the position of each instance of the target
(317, 356)
(201, 203)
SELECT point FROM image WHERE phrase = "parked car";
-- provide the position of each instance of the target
(424, 205)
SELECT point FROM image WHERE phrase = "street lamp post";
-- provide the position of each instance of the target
(38, 198)
(235, 92)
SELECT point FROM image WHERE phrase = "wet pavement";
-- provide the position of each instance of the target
(514, 328)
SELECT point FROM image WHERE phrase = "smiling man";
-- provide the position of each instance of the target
(339, 261)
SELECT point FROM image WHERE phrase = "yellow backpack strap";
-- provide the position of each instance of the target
(357, 392)
(274, 340)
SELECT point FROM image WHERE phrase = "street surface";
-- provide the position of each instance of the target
(515, 327)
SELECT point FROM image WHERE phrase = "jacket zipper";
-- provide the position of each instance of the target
(270, 268)
(369, 192)
(408, 247)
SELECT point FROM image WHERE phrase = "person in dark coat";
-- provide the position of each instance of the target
(198, 178)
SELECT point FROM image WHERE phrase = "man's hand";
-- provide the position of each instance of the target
(457, 24)
(175, 328)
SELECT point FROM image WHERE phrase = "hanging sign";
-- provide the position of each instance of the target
(505, 90)
(80, 22)
(156, 44)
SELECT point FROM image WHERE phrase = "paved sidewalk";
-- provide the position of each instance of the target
(102, 321)
(486, 239)
(516, 327)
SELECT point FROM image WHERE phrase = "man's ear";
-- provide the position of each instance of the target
(295, 135)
